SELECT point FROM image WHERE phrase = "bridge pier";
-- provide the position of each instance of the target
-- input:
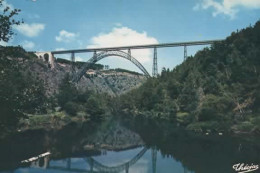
(155, 68)
(91, 165)
(129, 52)
(154, 159)
(46, 57)
(95, 54)
(73, 62)
(46, 162)
(127, 168)
(185, 52)
(68, 166)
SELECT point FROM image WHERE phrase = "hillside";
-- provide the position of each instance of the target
(29, 85)
(111, 82)
(216, 90)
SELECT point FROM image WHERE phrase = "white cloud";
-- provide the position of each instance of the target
(65, 36)
(78, 58)
(61, 48)
(3, 43)
(227, 7)
(4, 5)
(28, 44)
(33, 16)
(118, 24)
(30, 30)
(124, 36)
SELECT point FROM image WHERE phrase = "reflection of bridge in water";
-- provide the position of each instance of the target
(95, 166)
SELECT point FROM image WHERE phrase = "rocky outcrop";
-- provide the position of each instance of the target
(110, 82)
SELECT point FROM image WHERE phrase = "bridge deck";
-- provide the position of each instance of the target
(190, 43)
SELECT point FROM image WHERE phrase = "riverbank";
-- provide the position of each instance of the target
(186, 121)
(51, 121)
(106, 134)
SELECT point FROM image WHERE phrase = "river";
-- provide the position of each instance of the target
(136, 146)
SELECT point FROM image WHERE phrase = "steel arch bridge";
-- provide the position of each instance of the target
(97, 57)
(117, 51)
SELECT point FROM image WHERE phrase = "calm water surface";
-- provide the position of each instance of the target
(147, 160)
(164, 149)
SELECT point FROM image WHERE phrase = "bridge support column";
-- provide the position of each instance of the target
(73, 62)
(127, 168)
(154, 159)
(185, 170)
(95, 54)
(129, 53)
(91, 165)
(68, 163)
(155, 69)
(46, 162)
(185, 52)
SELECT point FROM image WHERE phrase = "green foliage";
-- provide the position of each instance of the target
(215, 87)
(75, 102)
(127, 71)
(207, 114)
(67, 91)
(7, 21)
(21, 92)
(205, 126)
(184, 118)
(245, 126)
(71, 108)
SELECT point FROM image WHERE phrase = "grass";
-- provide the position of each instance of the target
(54, 120)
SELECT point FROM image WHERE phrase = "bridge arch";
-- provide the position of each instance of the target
(46, 57)
(119, 168)
(101, 55)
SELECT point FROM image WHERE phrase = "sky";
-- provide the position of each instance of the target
(76, 24)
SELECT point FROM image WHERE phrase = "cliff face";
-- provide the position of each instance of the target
(110, 82)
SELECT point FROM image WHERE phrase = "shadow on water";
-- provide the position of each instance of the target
(87, 148)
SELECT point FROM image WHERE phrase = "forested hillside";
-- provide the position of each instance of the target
(28, 86)
(216, 90)
(21, 91)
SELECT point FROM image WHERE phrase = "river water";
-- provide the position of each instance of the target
(140, 146)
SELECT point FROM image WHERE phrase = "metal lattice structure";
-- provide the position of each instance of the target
(154, 159)
(98, 56)
(119, 168)
(149, 46)
(155, 68)
(117, 51)
(185, 53)
(73, 62)
(95, 166)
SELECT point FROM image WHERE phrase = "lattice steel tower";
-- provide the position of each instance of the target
(185, 52)
(72, 62)
(155, 68)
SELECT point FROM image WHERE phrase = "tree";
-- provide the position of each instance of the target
(21, 92)
(7, 21)
(67, 91)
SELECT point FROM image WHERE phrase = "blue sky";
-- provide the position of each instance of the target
(76, 24)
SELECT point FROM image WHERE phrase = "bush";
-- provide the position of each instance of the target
(245, 126)
(207, 114)
(71, 108)
(205, 126)
(184, 118)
